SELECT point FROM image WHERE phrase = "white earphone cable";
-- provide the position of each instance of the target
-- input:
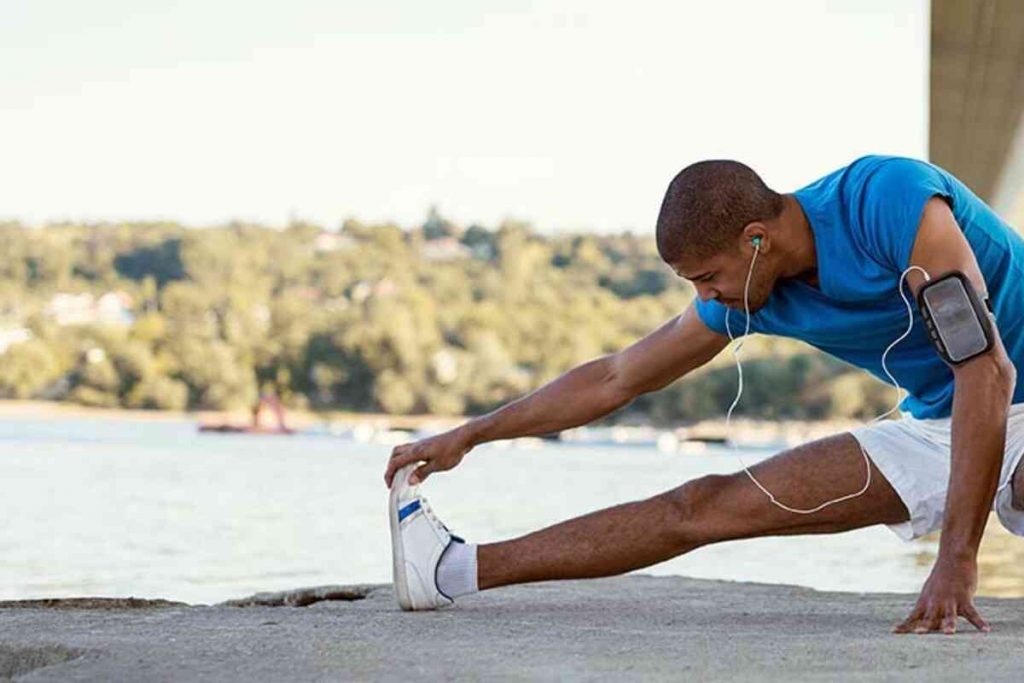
(737, 346)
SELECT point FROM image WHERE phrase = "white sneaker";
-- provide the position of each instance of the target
(418, 541)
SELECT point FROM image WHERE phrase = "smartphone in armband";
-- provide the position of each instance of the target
(958, 322)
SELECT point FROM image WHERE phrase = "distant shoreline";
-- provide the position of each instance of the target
(56, 410)
(751, 431)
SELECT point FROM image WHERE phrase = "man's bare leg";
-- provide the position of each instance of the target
(700, 512)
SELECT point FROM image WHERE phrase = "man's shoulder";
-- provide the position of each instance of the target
(858, 171)
(871, 181)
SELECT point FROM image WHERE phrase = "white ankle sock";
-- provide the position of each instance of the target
(456, 573)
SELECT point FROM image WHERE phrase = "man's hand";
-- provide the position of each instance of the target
(947, 594)
(438, 453)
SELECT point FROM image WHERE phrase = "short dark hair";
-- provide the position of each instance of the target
(708, 204)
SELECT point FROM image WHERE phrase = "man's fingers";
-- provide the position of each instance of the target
(397, 462)
(921, 620)
(927, 620)
(969, 612)
(949, 622)
(930, 622)
(908, 624)
(421, 473)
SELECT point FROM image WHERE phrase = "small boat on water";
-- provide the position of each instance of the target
(257, 426)
(243, 429)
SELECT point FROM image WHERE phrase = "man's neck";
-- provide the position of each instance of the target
(799, 255)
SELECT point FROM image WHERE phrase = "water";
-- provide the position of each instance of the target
(154, 509)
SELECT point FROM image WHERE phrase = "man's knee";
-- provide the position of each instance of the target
(694, 507)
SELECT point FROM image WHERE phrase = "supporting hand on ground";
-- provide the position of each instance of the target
(437, 453)
(947, 594)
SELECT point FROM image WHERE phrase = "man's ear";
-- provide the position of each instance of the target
(756, 235)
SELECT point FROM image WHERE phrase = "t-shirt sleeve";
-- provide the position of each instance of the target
(893, 200)
(712, 314)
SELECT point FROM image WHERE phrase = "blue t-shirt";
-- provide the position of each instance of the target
(865, 218)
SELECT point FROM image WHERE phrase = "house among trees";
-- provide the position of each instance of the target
(112, 308)
(11, 336)
(445, 249)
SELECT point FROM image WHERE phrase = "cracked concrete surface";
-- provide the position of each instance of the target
(635, 627)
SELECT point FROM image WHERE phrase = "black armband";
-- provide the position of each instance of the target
(959, 324)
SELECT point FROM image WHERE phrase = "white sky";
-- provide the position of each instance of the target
(566, 114)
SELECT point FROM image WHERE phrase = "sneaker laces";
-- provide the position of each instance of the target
(429, 511)
(432, 516)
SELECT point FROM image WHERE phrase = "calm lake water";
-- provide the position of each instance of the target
(154, 509)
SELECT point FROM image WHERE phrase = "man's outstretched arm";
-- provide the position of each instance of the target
(983, 392)
(579, 396)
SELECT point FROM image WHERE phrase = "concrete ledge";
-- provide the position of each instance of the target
(634, 627)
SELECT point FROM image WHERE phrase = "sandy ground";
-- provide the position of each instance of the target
(631, 628)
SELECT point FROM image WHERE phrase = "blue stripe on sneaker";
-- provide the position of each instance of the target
(408, 510)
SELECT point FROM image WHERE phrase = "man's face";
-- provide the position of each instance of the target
(722, 277)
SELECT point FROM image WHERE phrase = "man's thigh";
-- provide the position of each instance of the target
(802, 478)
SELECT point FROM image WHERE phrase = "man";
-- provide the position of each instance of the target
(829, 258)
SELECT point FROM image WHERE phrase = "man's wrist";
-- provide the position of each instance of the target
(472, 432)
(957, 554)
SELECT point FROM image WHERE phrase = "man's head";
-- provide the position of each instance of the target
(711, 215)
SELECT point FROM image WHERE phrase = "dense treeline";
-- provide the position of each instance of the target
(367, 318)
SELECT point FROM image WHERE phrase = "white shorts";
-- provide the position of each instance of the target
(914, 456)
